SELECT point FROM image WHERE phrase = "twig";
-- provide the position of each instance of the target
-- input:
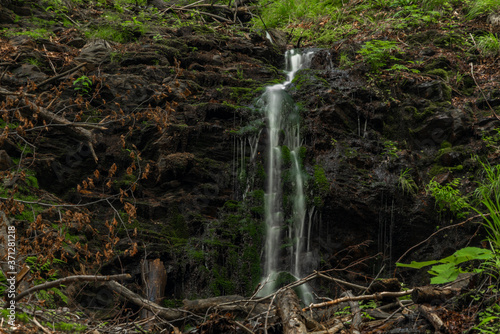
(243, 327)
(50, 61)
(352, 285)
(482, 93)
(6, 92)
(209, 14)
(69, 279)
(269, 310)
(49, 80)
(45, 330)
(376, 296)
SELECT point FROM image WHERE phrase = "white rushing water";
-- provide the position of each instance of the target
(283, 127)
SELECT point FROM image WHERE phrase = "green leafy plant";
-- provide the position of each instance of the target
(447, 269)
(406, 182)
(488, 193)
(390, 149)
(482, 7)
(378, 53)
(83, 85)
(488, 45)
(448, 197)
(489, 319)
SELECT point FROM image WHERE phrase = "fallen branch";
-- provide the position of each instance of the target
(49, 80)
(163, 312)
(70, 279)
(54, 118)
(375, 296)
(336, 280)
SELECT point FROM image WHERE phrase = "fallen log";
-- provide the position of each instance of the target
(432, 294)
(232, 303)
(433, 318)
(290, 313)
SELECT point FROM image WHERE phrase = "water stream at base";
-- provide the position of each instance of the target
(283, 127)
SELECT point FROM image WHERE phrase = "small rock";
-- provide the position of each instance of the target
(494, 19)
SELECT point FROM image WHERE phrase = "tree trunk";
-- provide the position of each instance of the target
(154, 277)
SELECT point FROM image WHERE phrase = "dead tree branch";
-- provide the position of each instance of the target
(70, 279)
(375, 296)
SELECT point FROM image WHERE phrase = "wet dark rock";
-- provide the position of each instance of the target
(6, 16)
(5, 161)
(27, 73)
(76, 43)
(95, 53)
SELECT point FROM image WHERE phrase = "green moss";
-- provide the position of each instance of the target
(421, 115)
(244, 94)
(286, 156)
(232, 205)
(125, 181)
(440, 73)
(446, 144)
(172, 303)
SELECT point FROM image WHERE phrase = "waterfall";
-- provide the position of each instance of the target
(283, 129)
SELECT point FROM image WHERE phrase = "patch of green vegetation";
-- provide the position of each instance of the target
(448, 197)
(406, 182)
(488, 45)
(244, 94)
(378, 53)
(65, 327)
(172, 303)
(482, 7)
(440, 73)
(20, 316)
(39, 33)
(321, 183)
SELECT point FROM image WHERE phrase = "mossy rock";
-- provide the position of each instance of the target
(440, 62)
(440, 73)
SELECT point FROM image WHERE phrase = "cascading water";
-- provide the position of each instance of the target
(283, 128)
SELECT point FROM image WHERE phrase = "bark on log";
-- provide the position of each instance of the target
(432, 294)
(154, 277)
(202, 305)
(430, 315)
(225, 303)
(166, 313)
(290, 313)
